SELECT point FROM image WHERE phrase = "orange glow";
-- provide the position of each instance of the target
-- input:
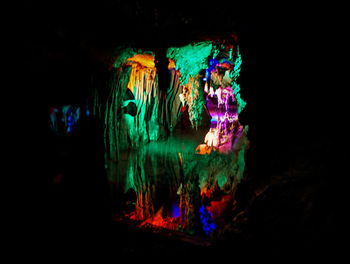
(203, 149)
(132, 78)
(146, 60)
(171, 64)
(180, 158)
(142, 74)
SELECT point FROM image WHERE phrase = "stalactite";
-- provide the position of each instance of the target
(145, 89)
(116, 90)
(195, 100)
(189, 61)
(173, 102)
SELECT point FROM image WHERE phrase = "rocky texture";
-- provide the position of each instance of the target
(133, 87)
(173, 101)
(189, 61)
(173, 187)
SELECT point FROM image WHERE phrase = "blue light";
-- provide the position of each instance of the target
(207, 220)
(175, 210)
(70, 122)
(87, 108)
(213, 62)
(207, 72)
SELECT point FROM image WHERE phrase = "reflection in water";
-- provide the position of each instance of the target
(175, 188)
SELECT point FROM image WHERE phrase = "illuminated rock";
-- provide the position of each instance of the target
(198, 180)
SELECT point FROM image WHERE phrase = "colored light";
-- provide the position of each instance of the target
(171, 64)
(175, 210)
(190, 59)
(226, 87)
(146, 60)
(214, 119)
(188, 62)
(216, 208)
(206, 87)
(180, 159)
(207, 220)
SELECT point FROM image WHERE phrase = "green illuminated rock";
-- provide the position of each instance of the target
(190, 59)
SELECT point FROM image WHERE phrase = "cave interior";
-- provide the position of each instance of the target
(173, 129)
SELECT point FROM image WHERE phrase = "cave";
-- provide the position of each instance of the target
(180, 129)
(180, 149)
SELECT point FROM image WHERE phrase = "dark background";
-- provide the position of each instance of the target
(290, 79)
